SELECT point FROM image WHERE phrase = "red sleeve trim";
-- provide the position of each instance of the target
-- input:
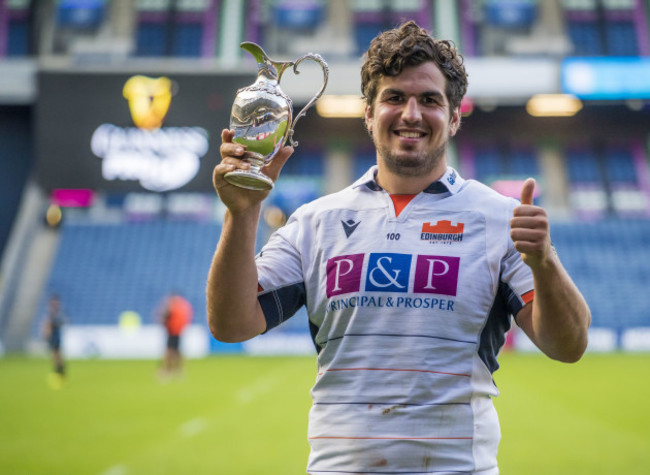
(528, 296)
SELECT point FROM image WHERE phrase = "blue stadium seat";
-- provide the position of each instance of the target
(523, 163)
(621, 38)
(620, 167)
(305, 163)
(582, 167)
(102, 270)
(487, 164)
(18, 38)
(151, 39)
(362, 161)
(585, 38)
(608, 261)
(187, 40)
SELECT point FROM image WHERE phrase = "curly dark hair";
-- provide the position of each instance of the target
(409, 45)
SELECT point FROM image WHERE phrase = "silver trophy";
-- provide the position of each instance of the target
(261, 116)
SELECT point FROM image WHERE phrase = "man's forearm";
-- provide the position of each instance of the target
(233, 310)
(560, 315)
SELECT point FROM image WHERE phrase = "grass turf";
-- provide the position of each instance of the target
(243, 415)
(588, 418)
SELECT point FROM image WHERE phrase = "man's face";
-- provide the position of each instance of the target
(411, 121)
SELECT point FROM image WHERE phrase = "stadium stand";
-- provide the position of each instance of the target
(608, 260)
(490, 163)
(18, 33)
(606, 30)
(364, 159)
(487, 164)
(178, 31)
(103, 270)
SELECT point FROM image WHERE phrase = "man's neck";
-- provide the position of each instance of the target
(397, 184)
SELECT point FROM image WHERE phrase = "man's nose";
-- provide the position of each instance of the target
(411, 112)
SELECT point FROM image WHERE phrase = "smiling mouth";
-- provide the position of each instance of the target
(409, 135)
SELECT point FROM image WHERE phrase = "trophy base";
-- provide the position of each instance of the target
(249, 179)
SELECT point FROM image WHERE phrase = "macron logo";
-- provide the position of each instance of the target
(349, 226)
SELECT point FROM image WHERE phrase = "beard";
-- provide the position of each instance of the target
(406, 163)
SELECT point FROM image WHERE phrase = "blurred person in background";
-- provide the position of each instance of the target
(175, 313)
(52, 333)
(410, 276)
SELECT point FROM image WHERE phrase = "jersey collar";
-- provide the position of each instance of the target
(451, 182)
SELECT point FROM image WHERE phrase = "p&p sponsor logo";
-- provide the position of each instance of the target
(391, 272)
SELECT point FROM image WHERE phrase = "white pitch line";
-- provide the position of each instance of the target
(116, 470)
(263, 385)
(193, 427)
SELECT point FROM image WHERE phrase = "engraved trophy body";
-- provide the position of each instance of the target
(262, 116)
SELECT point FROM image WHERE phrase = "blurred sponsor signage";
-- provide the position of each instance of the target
(636, 339)
(161, 159)
(72, 198)
(613, 78)
(512, 188)
(130, 341)
(124, 132)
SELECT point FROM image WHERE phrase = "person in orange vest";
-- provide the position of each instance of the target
(175, 314)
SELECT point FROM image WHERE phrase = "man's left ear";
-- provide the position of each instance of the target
(454, 123)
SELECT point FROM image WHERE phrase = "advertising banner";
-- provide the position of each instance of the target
(121, 132)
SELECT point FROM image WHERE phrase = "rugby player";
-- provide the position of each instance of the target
(411, 278)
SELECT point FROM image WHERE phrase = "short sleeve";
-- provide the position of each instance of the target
(281, 290)
(516, 279)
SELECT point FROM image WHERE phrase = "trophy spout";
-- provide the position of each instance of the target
(256, 50)
(266, 67)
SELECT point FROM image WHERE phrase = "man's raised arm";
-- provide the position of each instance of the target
(558, 318)
(234, 313)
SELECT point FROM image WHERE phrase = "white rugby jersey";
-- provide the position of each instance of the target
(408, 314)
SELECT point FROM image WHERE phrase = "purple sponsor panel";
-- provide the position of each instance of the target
(344, 274)
(4, 29)
(641, 21)
(390, 273)
(210, 25)
(436, 275)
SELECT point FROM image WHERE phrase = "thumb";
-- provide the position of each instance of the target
(527, 191)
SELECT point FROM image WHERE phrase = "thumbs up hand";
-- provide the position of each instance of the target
(528, 191)
(529, 228)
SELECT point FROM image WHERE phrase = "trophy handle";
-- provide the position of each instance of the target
(319, 59)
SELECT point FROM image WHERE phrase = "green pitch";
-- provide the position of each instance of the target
(242, 415)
